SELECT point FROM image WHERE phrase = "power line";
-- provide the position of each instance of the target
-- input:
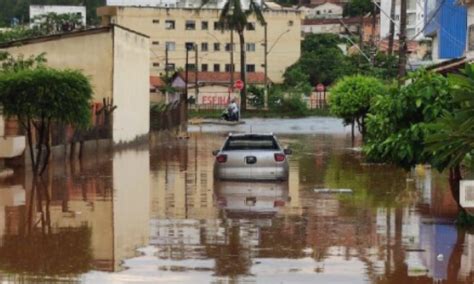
(429, 21)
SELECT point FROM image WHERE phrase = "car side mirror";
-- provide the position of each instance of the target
(287, 151)
(215, 152)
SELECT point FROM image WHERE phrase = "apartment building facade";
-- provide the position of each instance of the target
(174, 30)
(415, 19)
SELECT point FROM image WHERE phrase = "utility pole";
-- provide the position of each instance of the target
(166, 61)
(186, 77)
(196, 82)
(265, 66)
(402, 45)
(391, 32)
(231, 71)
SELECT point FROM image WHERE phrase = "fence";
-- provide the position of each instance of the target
(168, 116)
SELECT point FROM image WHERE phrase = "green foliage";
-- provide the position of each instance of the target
(19, 33)
(52, 23)
(321, 61)
(256, 96)
(352, 96)
(287, 103)
(452, 136)
(358, 8)
(45, 93)
(399, 122)
(385, 66)
(13, 64)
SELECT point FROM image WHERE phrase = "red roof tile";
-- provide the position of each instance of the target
(156, 82)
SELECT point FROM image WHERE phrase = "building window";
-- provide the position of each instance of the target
(191, 67)
(227, 68)
(218, 26)
(204, 46)
(156, 64)
(204, 67)
(155, 43)
(228, 47)
(170, 67)
(217, 68)
(204, 25)
(169, 24)
(190, 25)
(329, 11)
(318, 12)
(170, 45)
(156, 21)
(250, 26)
(250, 68)
(217, 46)
(189, 46)
(290, 23)
(250, 47)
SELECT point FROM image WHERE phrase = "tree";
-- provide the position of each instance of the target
(352, 96)
(53, 23)
(38, 96)
(384, 66)
(452, 137)
(236, 18)
(399, 123)
(359, 8)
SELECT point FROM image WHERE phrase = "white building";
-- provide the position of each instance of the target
(324, 10)
(217, 4)
(415, 19)
(38, 10)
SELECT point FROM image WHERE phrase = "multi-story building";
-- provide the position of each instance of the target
(173, 31)
(323, 10)
(446, 24)
(415, 19)
(38, 10)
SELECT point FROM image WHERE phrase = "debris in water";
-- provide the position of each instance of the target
(332, 190)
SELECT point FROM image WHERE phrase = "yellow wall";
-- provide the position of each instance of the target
(131, 85)
(78, 52)
(283, 38)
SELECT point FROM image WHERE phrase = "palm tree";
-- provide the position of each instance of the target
(236, 18)
(454, 136)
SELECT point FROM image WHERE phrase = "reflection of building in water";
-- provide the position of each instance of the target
(107, 196)
(182, 177)
(466, 272)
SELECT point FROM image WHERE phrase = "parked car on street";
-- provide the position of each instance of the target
(251, 157)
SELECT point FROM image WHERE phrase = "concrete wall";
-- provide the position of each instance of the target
(2, 126)
(322, 28)
(131, 85)
(92, 54)
(326, 10)
(284, 36)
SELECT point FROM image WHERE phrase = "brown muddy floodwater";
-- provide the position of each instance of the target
(155, 214)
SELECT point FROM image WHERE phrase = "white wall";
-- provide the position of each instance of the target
(326, 10)
(131, 85)
(37, 10)
(2, 126)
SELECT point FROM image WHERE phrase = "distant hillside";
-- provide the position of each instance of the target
(19, 9)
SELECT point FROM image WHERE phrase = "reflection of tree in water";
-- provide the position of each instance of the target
(39, 249)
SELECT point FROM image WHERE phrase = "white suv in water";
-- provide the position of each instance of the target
(251, 157)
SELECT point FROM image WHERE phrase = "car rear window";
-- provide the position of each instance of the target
(256, 142)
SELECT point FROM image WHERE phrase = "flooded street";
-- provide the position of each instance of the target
(155, 214)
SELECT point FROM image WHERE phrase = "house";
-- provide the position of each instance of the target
(323, 10)
(446, 25)
(116, 59)
(38, 10)
(174, 31)
(213, 87)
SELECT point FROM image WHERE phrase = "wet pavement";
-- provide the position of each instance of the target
(155, 214)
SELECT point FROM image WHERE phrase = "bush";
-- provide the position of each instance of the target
(291, 104)
(351, 98)
(256, 96)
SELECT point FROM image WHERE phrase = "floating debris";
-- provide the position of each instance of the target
(332, 190)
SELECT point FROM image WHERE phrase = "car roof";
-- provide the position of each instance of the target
(250, 134)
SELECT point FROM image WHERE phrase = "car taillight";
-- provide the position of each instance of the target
(279, 157)
(221, 158)
(278, 203)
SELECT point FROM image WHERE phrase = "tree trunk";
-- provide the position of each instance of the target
(455, 177)
(391, 33)
(243, 92)
(402, 46)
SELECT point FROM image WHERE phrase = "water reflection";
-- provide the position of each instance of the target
(156, 214)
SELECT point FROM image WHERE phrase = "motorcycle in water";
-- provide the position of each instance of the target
(230, 115)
